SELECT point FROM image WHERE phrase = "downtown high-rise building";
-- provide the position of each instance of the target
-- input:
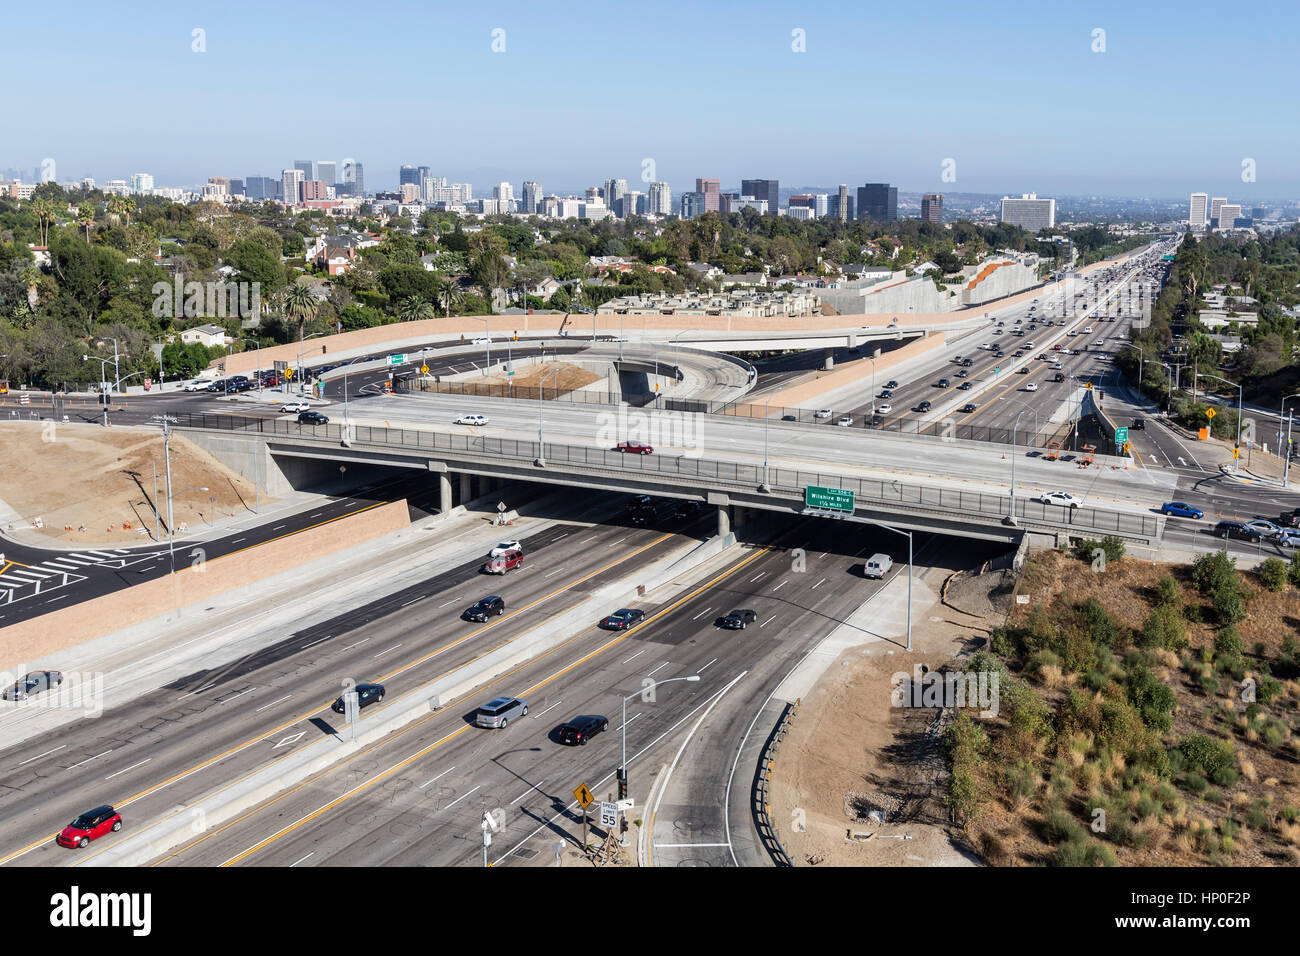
(708, 188)
(307, 167)
(326, 171)
(354, 178)
(1029, 212)
(1198, 212)
(141, 183)
(844, 204)
(878, 201)
(613, 191)
(660, 200)
(1228, 215)
(932, 207)
(1215, 205)
(258, 188)
(291, 181)
(693, 204)
(504, 192)
(765, 189)
(532, 197)
(408, 174)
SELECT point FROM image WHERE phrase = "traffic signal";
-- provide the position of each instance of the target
(622, 783)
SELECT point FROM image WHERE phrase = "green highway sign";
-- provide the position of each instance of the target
(399, 359)
(830, 499)
(1121, 435)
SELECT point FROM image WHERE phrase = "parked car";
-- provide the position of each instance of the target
(737, 620)
(91, 825)
(484, 608)
(471, 420)
(502, 563)
(1235, 529)
(579, 730)
(634, 448)
(367, 694)
(622, 620)
(198, 385)
(1061, 498)
(1265, 529)
(1289, 538)
(1180, 509)
(312, 418)
(34, 683)
(499, 711)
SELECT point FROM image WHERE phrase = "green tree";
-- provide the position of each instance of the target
(300, 303)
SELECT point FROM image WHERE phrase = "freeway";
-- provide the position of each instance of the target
(216, 723)
(417, 797)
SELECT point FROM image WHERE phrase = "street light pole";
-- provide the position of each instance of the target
(258, 345)
(622, 766)
(1015, 426)
(1286, 449)
(1236, 461)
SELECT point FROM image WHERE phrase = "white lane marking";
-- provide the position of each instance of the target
(818, 584)
(635, 656)
(273, 703)
(290, 740)
(314, 643)
(779, 586)
(547, 710)
(104, 554)
(630, 719)
(768, 621)
(445, 603)
(702, 669)
(670, 845)
(393, 648)
(296, 862)
(357, 644)
(537, 786)
(132, 767)
(461, 797)
(555, 572)
(439, 777)
(233, 696)
(702, 613)
(657, 669)
(89, 759)
(413, 600)
(756, 577)
(46, 754)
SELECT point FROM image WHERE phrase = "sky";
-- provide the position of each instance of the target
(995, 97)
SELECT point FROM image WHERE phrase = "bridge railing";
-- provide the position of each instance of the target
(722, 474)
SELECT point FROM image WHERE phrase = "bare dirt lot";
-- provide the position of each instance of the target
(92, 485)
(552, 375)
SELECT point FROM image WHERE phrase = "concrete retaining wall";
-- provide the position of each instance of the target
(808, 393)
(28, 641)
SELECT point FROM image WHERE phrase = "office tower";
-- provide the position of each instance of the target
(258, 188)
(708, 188)
(693, 204)
(821, 205)
(1215, 203)
(593, 209)
(660, 201)
(410, 192)
(237, 187)
(504, 192)
(307, 167)
(1029, 212)
(422, 172)
(768, 189)
(290, 186)
(631, 203)
(932, 207)
(313, 189)
(141, 183)
(325, 171)
(358, 179)
(1196, 216)
(532, 197)
(592, 193)
(614, 191)
(843, 208)
(1228, 215)
(408, 174)
(878, 201)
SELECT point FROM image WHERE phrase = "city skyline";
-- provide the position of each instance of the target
(993, 124)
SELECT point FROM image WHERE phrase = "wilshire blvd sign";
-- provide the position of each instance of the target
(828, 499)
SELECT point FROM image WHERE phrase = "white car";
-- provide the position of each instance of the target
(1031, 386)
(1061, 498)
(295, 406)
(823, 413)
(884, 408)
(1087, 330)
(486, 341)
(1057, 366)
(504, 547)
(198, 385)
(845, 421)
(471, 420)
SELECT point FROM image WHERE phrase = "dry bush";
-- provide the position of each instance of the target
(1248, 770)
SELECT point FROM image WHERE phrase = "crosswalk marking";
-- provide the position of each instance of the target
(57, 564)
(104, 554)
(24, 577)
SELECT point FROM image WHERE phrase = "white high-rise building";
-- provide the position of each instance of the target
(290, 183)
(660, 201)
(430, 186)
(822, 204)
(1215, 203)
(1229, 213)
(141, 183)
(503, 191)
(1029, 212)
(118, 187)
(1196, 216)
(532, 197)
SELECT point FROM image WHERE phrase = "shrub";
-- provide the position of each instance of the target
(1228, 642)
(1083, 852)
(1098, 622)
(1229, 605)
(1167, 591)
(1154, 701)
(1213, 572)
(1164, 628)
(1206, 755)
(1273, 574)
(1060, 827)
(1293, 571)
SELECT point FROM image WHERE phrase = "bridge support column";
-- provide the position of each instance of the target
(439, 468)
(466, 489)
(830, 359)
(724, 520)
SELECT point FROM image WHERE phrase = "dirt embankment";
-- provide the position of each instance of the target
(92, 485)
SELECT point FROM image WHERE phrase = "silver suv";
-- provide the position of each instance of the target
(500, 711)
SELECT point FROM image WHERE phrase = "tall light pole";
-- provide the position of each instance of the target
(103, 363)
(1286, 449)
(1236, 461)
(541, 455)
(766, 420)
(258, 344)
(1015, 426)
(487, 340)
(622, 766)
(302, 375)
(908, 534)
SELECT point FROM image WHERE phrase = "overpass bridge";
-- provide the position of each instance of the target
(711, 478)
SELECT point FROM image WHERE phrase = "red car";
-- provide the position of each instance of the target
(635, 447)
(504, 562)
(91, 825)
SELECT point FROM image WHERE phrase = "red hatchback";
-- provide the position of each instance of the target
(635, 447)
(91, 825)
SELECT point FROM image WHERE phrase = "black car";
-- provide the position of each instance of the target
(1235, 529)
(244, 386)
(638, 502)
(886, 393)
(737, 620)
(312, 418)
(1139, 424)
(688, 509)
(33, 683)
(942, 383)
(367, 694)
(622, 620)
(969, 407)
(484, 608)
(789, 418)
(923, 407)
(964, 387)
(891, 384)
(579, 730)
(220, 385)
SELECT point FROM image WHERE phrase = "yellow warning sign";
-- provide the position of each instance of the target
(583, 796)
(1210, 413)
(1236, 453)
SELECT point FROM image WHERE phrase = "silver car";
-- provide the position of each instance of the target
(33, 683)
(500, 711)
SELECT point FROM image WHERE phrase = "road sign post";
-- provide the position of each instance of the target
(584, 797)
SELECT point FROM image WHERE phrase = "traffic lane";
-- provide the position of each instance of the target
(197, 726)
(408, 762)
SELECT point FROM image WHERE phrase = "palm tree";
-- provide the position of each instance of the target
(414, 308)
(446, 291)
(121, 207)
(44, 210)
(86, 216)
(29, 277)
(300, 304)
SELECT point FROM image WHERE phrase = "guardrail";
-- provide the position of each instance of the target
(879, 493)
(760, 797)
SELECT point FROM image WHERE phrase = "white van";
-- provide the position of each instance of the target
(877, 566)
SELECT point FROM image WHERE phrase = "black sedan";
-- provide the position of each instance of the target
(312, 418)
(484, 608)
(579, 730)
(1235, 529)
(737, 620)
(367, 694)
(623, 620)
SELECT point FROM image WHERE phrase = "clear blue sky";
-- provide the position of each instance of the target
(884, 92)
